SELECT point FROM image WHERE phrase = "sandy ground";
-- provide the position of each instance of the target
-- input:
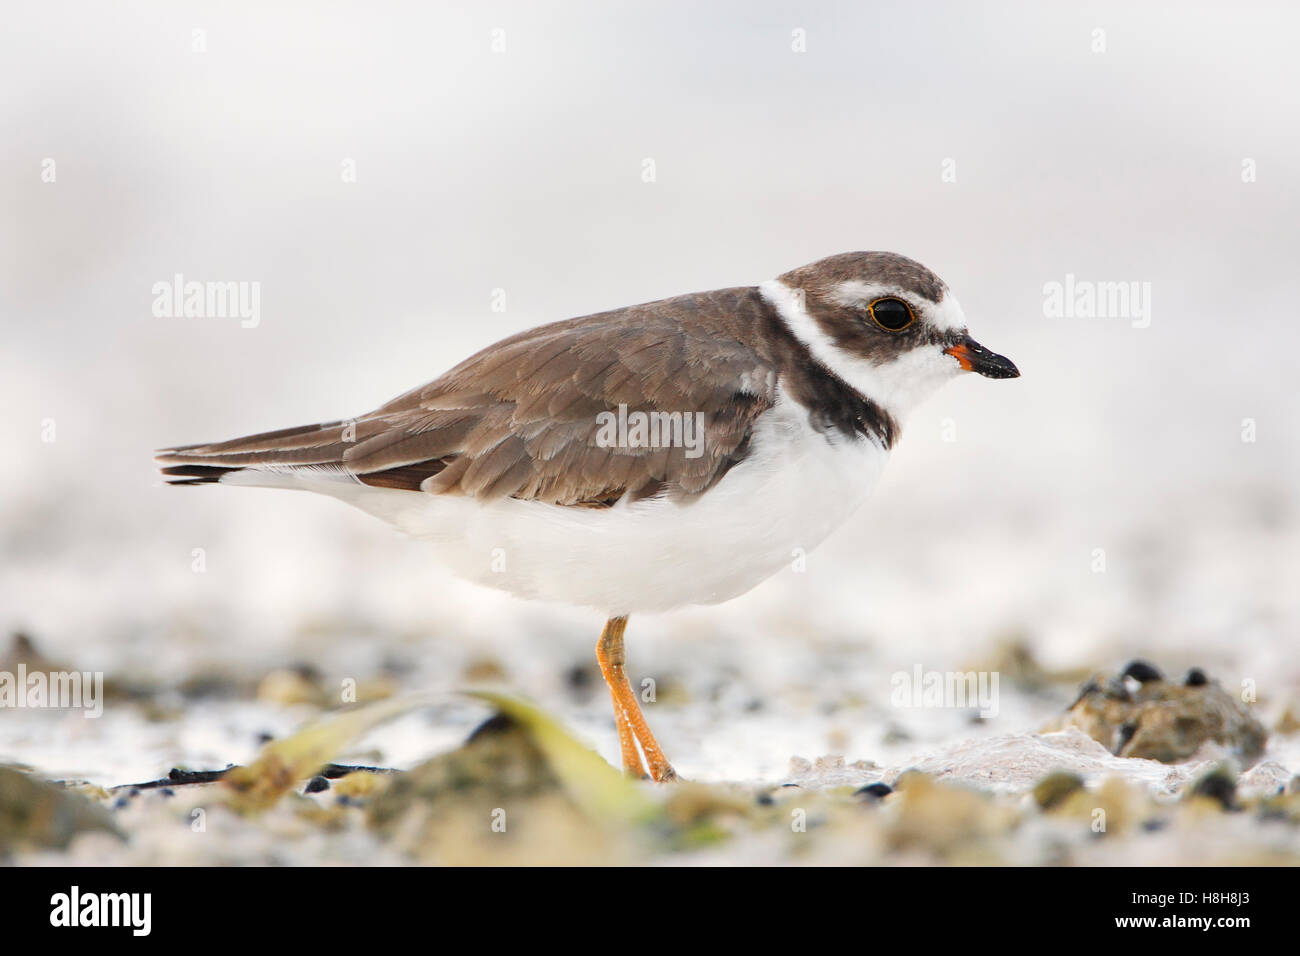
(785, 711)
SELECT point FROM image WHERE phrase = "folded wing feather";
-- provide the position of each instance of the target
(520, 419)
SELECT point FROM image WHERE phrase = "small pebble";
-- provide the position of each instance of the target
(578, 677)
(1218, 786)
(874, 791)
(1142, 672)
(1124, 735)
(895, 734)
(1196, 678)
(316, 785)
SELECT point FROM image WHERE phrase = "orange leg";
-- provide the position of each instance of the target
(632, 728)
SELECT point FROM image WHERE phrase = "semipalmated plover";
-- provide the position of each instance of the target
(655, 456)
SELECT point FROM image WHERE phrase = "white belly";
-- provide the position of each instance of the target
(792, 491)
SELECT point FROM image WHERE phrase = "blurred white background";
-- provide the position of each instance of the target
(521, 170)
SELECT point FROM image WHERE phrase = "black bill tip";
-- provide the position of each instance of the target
(976, 358)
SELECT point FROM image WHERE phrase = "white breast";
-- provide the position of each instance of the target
(795, 487)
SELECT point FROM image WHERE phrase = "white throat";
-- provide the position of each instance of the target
(897, 386)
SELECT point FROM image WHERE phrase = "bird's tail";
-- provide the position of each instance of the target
(311, 449)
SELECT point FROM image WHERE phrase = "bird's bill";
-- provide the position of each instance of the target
(976, 358)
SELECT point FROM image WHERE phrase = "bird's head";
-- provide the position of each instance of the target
(885, 324)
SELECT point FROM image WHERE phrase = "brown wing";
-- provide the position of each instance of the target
(523, 418)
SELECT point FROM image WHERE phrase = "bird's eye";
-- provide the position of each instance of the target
(892, 315)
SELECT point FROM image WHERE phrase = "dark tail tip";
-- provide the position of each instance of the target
(195, 474)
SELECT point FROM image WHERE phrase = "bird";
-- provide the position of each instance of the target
(638, 460)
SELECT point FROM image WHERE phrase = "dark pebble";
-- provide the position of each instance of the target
(895, 734)
(317, 784)
(578, 677)
(167, 792)
(874, 791)
(496, 724)
(308, 672)
(1220, 787)
(765, 800)
(1142, 672)
(1124, 735)
(1196, 678)
(1154, 824)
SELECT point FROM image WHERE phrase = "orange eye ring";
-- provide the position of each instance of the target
(891, 313)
